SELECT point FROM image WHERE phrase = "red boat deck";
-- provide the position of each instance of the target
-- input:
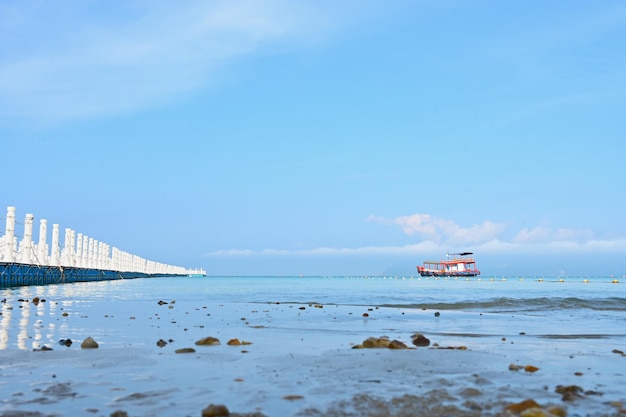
(457, 265)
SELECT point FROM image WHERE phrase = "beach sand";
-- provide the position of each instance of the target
(295, 360)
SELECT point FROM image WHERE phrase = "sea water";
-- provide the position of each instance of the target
(568, 308)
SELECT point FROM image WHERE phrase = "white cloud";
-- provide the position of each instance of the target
(432, 249)
(441, 234)
(423, 247)
(134, 58)
(441, 230)
(544, 234)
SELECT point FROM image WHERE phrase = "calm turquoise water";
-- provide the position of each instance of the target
(568, 308)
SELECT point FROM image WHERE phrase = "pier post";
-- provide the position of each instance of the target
(90, 257)
(42, 247)
(55, 258)
(8, 254)
(85, 252)
(73, 246)
(79, 250)
(66, 253)
(25, 251)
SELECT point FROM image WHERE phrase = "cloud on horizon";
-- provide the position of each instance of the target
(439, 234)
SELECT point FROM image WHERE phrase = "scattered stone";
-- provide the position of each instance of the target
(208, 341)
(381, 342)
(160, 343)
(89, 343)
(530, 368)
(43, 348)
(161, 302)
(65, 342)
(214, 410)
(365, 315)
(420, 340)
(527, 368)
(65, 314)
(471, 392)
(185, 350)
(437, 314)
(557, 411)
(536, 412)
(61, 390)
(376, 342)
(436, 346)
(396, 344)
(293, 397)
(518, 408)
(36, 300)
(237, 342)
(619, 352)
(569, 392)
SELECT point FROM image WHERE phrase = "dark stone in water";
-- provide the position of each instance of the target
(65, 342)
(215, 410)
(420, 340)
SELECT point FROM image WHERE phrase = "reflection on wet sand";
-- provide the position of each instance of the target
(27, 322)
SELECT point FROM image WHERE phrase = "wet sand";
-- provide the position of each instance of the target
(295, 360)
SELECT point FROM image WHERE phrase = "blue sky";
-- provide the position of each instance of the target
(322, 137)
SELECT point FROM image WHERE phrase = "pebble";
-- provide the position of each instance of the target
(89, 343)
(185, 350)
(215, 410)
(208, 341)
(420, 340)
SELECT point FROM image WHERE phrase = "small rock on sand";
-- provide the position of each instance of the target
(89, 343)
(214, 410)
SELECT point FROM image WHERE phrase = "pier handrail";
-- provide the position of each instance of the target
(79, 250)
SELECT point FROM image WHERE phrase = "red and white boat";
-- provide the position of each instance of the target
(455, 265)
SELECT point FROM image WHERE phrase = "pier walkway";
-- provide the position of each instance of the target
(81, 258)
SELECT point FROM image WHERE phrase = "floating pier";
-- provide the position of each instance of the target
(81, 258)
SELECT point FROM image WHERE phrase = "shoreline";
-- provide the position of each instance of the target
(300, 361)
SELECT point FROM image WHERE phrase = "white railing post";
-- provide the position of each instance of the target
(25, 251)
(8, 254)
(55, 256)
(79, 250)
(42, 246)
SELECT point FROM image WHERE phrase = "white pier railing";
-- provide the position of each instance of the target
(78, 251)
